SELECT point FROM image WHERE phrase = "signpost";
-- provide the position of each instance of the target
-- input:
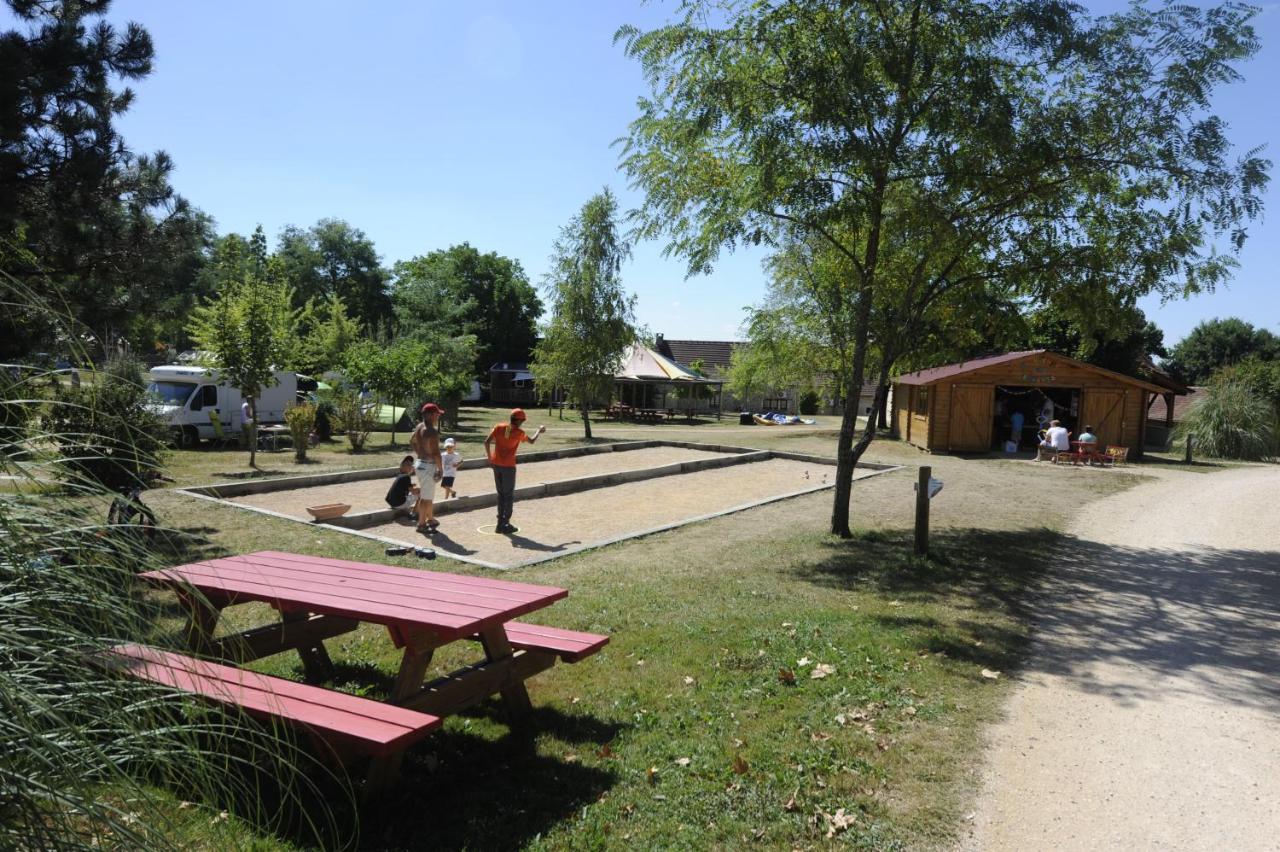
(926, 489)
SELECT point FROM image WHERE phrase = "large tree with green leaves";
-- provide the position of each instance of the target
(330, 259)
(592, 317)
(1218, 343)
(460, 290)
(943, 146)
(248, 327)
(82, 218)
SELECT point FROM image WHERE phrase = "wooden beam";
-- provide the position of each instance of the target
(461, 689)
(286, 636)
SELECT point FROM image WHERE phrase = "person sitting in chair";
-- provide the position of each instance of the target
(1056, 438)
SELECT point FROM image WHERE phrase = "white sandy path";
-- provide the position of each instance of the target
(1148, 716)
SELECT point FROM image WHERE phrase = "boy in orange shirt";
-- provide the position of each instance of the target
(501, 445)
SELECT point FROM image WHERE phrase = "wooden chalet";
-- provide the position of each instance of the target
(970, 406)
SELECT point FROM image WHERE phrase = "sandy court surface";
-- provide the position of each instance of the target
(552, 525)
(367, 495)
(1148, 716)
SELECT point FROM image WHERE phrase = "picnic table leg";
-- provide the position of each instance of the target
(315, 659)
(202, 620)
(515, 696)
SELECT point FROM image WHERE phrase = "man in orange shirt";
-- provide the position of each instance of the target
(501, 447)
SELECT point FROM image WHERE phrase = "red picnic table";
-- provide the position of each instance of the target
(320, 598)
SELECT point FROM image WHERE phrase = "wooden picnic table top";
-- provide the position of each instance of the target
(451, 606)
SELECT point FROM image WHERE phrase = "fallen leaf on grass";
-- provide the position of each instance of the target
(604, 751)
(819, 736)
(989, 674)
(182, 806)
(571, 758)
(652, 774)
(740, 765)
(838, 822)
(822, 670)
(683, 761)
(688, 681)
(222, 817)
(909, 710)
(787, 676)
(802, 662)
(790, 804)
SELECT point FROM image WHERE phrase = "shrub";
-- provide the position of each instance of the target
(1231, 422)
(301, 419)
(105, 431)
(84, 750)
(809, 403)
(326, 412)
(355, 420)
(18, 401)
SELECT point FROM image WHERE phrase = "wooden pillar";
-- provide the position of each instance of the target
(922, 511)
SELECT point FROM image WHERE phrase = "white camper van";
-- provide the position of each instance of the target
(184, 397)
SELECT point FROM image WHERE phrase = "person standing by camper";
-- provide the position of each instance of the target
(501, 445)
(426, 446)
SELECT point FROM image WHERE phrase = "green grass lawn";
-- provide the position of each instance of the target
(687, 730)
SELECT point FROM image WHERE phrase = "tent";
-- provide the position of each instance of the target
(646, 380)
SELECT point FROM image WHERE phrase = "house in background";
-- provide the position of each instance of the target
(1163, 418)
(511, 383)
(716, 357)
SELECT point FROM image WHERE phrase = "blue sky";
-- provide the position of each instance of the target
(432, 123)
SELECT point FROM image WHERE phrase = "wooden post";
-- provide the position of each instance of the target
(1189, 448)
(922, 511)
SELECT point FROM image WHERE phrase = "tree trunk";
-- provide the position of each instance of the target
(882, 399)
(586, 417)
(394, 421)
(253, 432)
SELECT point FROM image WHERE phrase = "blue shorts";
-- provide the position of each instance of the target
(446, 481)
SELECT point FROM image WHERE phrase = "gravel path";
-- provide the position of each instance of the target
(1148, 716)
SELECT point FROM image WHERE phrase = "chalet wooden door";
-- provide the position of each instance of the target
(971, 418)
(1104, 411)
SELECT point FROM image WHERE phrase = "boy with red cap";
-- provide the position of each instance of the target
(426, 445)
(501, 447)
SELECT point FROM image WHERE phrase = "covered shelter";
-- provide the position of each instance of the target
(648, 379)
(511, 383)
(973, 406)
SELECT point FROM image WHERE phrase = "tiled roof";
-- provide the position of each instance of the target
(715, 355)
(1181, 405)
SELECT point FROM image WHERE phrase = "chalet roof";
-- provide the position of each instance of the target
(509, 367)
(938, 374)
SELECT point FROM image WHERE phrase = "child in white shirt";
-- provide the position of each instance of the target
(449, 460)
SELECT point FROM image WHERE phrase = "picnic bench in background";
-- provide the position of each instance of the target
(322, 598)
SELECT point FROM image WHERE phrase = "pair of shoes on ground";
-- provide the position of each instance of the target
(505, 528)
(429, 527)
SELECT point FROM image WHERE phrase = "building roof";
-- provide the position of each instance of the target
(715, 355)
(1158, 412)
(938, 374)
(509, 367)
(645, 365)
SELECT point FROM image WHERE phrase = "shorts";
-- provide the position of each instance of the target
(426, 479)
(447, 481)
(410, 502)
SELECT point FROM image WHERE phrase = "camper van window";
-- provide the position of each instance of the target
(209, 396)
(171, 393)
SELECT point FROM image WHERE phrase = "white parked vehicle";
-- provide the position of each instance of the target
(184, 397)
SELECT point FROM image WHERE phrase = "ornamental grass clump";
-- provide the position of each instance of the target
(1231, 422)
(91, 758)
(301, 420)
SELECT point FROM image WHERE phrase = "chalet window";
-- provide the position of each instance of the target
(922, 401)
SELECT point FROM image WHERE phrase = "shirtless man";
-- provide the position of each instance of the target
(426, 446)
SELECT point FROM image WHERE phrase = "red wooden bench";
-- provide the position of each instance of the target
(569, 645)
(349, 724)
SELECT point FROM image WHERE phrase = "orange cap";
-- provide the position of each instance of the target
(518, 414)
